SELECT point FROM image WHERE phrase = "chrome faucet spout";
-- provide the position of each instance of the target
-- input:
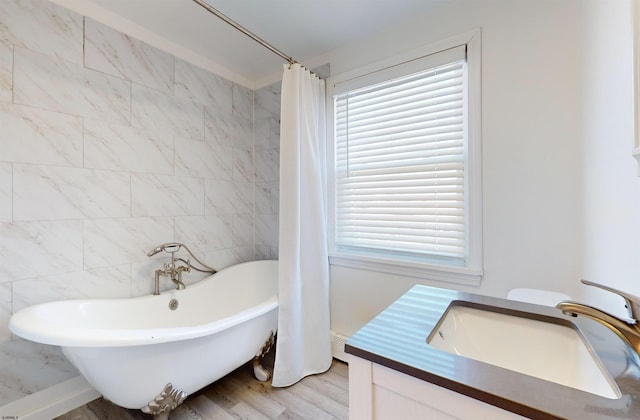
(171, 269)
(178, 271)
(627, 329)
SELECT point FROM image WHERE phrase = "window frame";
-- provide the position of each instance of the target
(471, 273)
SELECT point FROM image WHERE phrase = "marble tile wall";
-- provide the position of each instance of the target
(109, 147)
(267, 170)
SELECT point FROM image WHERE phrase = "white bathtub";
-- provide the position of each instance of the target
(129, 349)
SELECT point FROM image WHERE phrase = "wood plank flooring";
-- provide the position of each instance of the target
(240, 396)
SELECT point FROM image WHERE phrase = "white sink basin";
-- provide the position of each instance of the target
(548, 351)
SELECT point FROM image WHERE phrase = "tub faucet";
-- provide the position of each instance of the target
(627, 329)
(173, 271)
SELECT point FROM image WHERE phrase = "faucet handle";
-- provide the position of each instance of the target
(186, 268)
(631, 302)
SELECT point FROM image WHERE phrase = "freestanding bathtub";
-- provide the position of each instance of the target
(147, 351)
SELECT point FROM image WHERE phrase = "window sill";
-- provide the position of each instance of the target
(457, 275)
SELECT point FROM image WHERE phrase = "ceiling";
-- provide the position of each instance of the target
(303, 29)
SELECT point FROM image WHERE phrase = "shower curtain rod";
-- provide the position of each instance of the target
(245, 31)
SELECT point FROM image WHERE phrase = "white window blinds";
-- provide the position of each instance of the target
(400, 162)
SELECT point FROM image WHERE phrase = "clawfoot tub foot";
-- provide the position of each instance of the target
(260, 372)
(166, 401)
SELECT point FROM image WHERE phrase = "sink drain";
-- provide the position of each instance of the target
(173, 304)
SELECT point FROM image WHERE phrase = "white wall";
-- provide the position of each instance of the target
(611, 198)
(108, 148)
(534, 113)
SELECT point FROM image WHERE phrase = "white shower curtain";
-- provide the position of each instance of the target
(304, 340)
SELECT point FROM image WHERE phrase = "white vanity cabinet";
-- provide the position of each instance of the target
(377, 392)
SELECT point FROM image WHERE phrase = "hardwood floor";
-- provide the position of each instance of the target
(240, 396)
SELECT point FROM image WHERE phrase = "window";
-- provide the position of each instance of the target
(406, 165)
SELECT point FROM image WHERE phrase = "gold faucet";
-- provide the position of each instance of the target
(627, 329)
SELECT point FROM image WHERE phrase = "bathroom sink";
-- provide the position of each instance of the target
(546, 350)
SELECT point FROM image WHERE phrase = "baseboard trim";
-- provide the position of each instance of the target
(337, 346)
(51, 402)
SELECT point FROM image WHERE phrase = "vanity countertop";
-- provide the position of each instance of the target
(397, 339)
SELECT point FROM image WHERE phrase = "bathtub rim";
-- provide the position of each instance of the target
(45, 333)
(28, 323)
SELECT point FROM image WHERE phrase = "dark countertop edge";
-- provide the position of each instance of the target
(452, 385)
